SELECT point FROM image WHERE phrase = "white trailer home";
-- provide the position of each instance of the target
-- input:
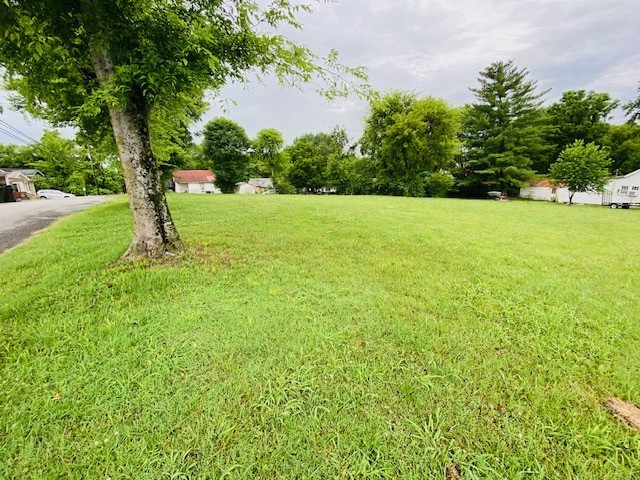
(621, 191)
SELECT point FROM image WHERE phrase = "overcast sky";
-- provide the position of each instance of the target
(437, 47)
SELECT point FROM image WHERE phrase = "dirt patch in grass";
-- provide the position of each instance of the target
(626, 412)
(452, 472)
(190, 257)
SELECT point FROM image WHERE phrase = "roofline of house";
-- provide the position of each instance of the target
(20, 170)
(629, 174)
(15, 174)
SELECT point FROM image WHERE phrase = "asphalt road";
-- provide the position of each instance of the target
(20, 220)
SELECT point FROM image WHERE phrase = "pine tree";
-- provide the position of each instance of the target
(503, 131)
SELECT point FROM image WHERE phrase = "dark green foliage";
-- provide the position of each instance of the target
(632, 109)
(503, 132)
(351, 175)
(579, 115)
(309, 174)
(172, 141)
(267, 153)
(14, 156)
(283, 186)
(623, 142)
(226, 146)
(581, 168)
(166, 52)
(310, 156)
(407, 138)
(65, 165)
(438, 184)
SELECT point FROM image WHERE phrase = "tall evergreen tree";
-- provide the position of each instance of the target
(503, 131)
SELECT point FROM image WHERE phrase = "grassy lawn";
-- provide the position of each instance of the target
(323, 337)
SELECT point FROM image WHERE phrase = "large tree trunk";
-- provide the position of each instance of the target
(155, 234)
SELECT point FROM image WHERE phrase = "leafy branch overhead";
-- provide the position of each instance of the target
(160, 49)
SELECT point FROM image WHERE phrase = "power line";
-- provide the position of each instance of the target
(6, 125)
(14, 136)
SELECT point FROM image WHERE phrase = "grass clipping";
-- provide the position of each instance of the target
(624, 411)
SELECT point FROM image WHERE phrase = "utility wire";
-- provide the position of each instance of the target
(13, 135)
(14, 129)
(20, 136)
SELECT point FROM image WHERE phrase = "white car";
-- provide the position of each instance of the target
(53, 194)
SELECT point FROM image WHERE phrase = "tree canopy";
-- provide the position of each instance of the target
(579, 115)
(581, 168)
(226, 146)
(623, 142)
(632, 108)
(408, 138)
(65, 164)
(267, 152)
(163, 52)
(310, 155)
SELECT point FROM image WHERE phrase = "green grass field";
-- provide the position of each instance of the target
(324, 337)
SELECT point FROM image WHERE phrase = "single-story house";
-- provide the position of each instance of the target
(261, 185)
(195, 181)
(618, 190)
(22, 179)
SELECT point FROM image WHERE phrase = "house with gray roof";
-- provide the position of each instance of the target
(22, 180)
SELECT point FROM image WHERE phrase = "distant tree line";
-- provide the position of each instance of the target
(423, 146)
(411, 146)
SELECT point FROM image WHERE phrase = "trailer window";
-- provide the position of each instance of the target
(624, 189)
(635, 189)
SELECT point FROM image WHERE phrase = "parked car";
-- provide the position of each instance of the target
(53, 194)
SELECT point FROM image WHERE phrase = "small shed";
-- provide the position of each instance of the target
(245, 188)
(195, 181)
(261, 185)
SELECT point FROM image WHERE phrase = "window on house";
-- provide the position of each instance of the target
(624, 189)
(635, 189)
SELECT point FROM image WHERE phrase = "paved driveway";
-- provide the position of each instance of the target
(20, 220)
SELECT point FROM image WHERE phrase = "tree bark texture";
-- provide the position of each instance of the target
(155, 233)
